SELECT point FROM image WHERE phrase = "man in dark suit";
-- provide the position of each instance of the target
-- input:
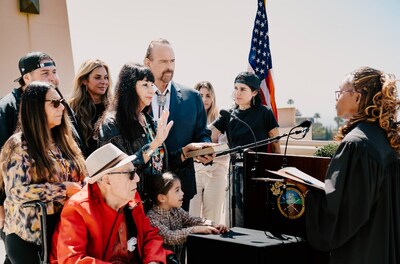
(186, 110)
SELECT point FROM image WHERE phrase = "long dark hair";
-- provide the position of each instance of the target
(126, 100)
(34, 128)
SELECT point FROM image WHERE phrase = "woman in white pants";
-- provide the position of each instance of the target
(211, 180)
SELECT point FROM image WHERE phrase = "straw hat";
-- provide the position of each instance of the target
(104, 160)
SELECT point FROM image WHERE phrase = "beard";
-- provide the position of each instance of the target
(166, 76)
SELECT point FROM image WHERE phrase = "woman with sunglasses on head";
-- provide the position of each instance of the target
(41, 161)
(357, 218)
(91, 96)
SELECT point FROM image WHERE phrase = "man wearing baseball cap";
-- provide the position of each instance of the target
(33, 66)
(105, 221)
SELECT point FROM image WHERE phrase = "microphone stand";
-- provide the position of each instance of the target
(261, 142)
(240, 149)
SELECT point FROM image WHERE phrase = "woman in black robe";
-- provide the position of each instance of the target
(357, 218)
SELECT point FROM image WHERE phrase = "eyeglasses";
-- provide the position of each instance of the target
(131, 173)
(339, 93)
(55, 102)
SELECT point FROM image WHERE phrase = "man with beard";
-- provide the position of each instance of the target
(186, 110)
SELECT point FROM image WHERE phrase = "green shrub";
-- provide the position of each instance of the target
(327, 150)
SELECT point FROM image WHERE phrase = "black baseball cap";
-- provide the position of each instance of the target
(250, 79)
(32, 61)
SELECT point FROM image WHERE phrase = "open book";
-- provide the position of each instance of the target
(207, 150)
(299, 176)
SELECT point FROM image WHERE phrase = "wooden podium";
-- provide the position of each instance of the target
(272, 205)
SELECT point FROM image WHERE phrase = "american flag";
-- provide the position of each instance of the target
(260, 57)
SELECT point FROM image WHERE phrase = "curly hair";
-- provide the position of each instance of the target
(378, 103)
(81, 102)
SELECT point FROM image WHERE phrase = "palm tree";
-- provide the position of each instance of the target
(290, 102)
(316, 116)
(339, 121)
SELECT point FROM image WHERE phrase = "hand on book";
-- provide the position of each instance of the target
(205, 159)
(197, 146)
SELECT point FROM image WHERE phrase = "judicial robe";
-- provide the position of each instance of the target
(357, 218)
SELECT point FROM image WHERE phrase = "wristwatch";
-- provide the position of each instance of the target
(147, 150)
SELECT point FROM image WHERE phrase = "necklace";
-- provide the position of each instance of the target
(157, 157)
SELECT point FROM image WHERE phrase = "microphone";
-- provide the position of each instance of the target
(306, 125)
(227, 115)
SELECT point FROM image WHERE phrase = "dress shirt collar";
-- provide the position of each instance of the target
(157, 90)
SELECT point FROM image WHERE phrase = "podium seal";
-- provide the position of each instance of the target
(291, 203)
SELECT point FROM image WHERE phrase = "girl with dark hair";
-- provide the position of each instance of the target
(128, 126)
(357, 218)
(173, 222)
(90, 97)
(260, 118)
(40, 162)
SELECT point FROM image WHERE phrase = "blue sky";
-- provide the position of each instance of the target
(314, 44)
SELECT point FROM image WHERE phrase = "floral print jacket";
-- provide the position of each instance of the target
(16, 168)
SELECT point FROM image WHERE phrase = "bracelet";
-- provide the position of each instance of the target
(147, 150)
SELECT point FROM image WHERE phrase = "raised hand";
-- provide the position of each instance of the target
(163, 127)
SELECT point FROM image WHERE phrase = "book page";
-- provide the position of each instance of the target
(299, 176)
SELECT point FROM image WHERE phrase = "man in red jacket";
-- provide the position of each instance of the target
(105, 221)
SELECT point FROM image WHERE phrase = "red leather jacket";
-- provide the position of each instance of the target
(85, 230)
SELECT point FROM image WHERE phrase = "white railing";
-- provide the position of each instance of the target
(303, 146)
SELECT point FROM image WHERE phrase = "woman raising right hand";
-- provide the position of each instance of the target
(127, 124)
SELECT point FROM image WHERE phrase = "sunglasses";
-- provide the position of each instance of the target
(55, 102)
(131, 173)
